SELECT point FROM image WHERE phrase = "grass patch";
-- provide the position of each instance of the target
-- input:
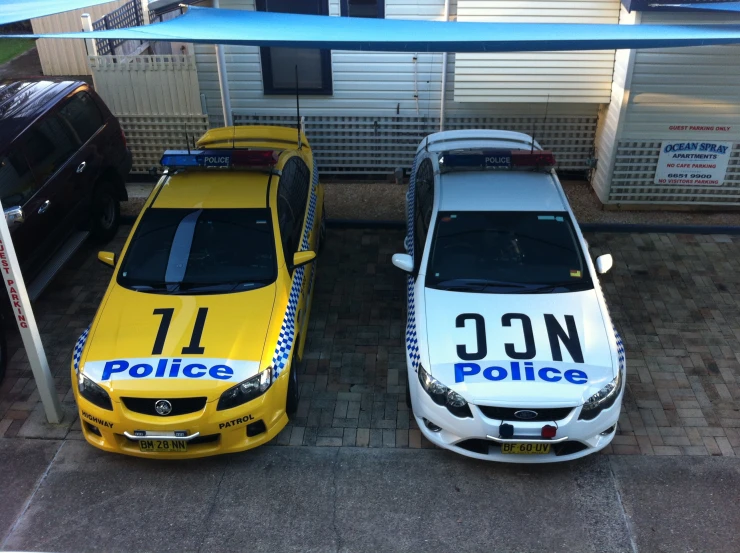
(11, 47)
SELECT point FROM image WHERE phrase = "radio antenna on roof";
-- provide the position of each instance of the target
(297, 107)
(187, 142)
(544, 122)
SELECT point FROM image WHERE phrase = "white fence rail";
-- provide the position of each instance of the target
(379, 145)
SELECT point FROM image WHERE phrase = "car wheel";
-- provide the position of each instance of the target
(291, 405)
(408, 390)
(106, 213)
(322, 231)
(3, 353)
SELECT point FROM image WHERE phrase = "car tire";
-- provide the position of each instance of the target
(291, 404)
(408, 390)
(106, 213)
(322, 231)
(3, 352)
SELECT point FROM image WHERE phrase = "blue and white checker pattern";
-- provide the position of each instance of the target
(620, 349)
(287, 330)
(412, 341)
(79, 347)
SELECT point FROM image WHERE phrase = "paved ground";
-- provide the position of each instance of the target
(674, 298)
(25, 65)
(328, 499)
(347, 477)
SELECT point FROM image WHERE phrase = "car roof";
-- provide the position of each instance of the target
(214, 190)
(22, 102)
(499, 191)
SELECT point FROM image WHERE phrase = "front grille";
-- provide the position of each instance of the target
(507, 413)
(180, 405)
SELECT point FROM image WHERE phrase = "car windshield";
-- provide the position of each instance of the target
(185, 251)
(506, 252)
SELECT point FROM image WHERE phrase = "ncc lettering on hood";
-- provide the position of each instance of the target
(558, 337)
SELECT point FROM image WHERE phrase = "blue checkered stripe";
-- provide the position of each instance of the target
(287, 330)
(79, 347)
(412, 341)
(620, 349)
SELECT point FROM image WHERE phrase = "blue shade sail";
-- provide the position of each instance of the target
(20, 10)
(713, 6)
(216, 26)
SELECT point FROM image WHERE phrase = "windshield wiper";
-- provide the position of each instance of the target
(167, 287)
(479, 284)
(569, 285)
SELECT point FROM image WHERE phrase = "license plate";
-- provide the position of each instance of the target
(163, 446)
(525, 449)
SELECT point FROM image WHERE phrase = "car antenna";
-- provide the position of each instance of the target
(544, 122)
(297, 107)
(187, 142)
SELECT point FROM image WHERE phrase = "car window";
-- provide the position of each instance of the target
(184, 251)
(17, 184)
(48, 146)
(423, 207)
(292, 198)
(82, 115)
(505, 252)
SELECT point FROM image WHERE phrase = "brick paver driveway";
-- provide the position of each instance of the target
(674, 299)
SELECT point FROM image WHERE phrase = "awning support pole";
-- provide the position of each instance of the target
(26, 322)
(223, 80)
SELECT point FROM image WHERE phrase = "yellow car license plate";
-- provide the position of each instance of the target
(525, 449)
(164, 446)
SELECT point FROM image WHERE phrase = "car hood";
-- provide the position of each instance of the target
(480, 346)
(132, 349)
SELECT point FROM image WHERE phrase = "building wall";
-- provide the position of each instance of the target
(678, 87)
(365, 83)
(573, 77)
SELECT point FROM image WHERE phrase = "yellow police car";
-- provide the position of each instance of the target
(191, 351)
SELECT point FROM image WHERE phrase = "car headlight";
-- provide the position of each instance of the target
(603, 399)
(93, 393)
(246, 391)
(442, 395)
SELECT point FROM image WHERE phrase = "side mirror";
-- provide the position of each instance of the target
(303, 258)
(109, 258)
(403, 261)
(604, 263)
(14, 215)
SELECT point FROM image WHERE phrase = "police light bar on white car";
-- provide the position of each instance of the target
(517, 160)
(220, 159)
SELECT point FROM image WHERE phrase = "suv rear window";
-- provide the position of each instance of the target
(83, 115)
(216, 251)
(506, 252)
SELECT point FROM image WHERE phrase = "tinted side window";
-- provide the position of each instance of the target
(286, 222)
(48, 147)
(293, 190)
(423, 207)
(83, 116)
(17, 184)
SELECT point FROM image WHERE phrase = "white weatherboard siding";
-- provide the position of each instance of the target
(575, 77)
(385, 101)
(678, 87)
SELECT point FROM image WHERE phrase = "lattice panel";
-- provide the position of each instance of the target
(378, 145)
(634, 172)
(128, 15)
(148, 136)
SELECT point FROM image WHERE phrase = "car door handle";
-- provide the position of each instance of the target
(44, 206)
(81, 167)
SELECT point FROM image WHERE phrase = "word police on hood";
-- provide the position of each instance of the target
(169, 368)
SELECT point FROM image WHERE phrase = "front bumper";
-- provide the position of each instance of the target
(475, 437)
(219, 431)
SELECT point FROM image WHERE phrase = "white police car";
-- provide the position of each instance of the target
(511, 352)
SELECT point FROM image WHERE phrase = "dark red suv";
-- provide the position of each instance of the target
(63, 165)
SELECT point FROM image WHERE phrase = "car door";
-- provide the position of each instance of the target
(50, 151)
(17, 187)
(83, 121)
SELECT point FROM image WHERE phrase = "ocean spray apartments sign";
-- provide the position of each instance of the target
(693, 163)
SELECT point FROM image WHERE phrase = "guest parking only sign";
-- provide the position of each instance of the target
(693, 163)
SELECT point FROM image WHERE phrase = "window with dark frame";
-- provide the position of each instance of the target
(374, 9)
(279, 64)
